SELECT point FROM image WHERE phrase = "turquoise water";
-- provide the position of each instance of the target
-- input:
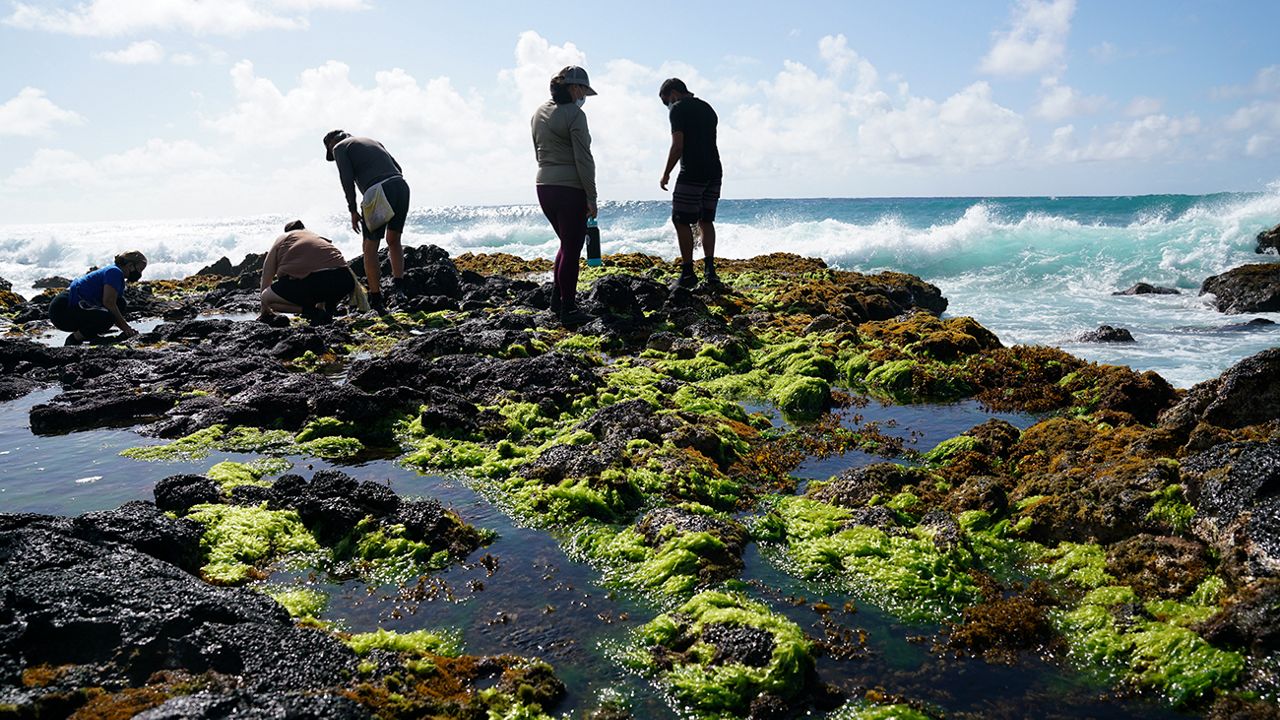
(1034, 270)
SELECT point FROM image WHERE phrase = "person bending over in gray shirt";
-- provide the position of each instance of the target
(364, 164)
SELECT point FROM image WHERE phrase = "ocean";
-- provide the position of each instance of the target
(1032, 269)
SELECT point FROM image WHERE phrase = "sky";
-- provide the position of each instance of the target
(157, 109)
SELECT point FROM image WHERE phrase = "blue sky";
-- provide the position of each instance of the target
(149, 109)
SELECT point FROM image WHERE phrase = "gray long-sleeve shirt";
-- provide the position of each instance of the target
(364, 163)
(563, 146)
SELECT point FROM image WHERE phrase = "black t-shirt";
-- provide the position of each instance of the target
(700, 161)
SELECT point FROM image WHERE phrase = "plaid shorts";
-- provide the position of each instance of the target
(692, 202)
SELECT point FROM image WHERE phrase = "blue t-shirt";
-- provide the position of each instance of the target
(86, 291)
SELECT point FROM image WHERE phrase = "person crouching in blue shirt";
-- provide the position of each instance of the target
(95, 302)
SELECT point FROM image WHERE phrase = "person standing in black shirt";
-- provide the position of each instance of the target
(697, 190)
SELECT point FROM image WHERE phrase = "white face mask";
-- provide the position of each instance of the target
(580, 101)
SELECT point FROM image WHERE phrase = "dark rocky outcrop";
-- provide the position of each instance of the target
(77, 410)
(1143, 288)
(121, 615)
(1246, 394)
(1106, 334)
(1249, 288)
(177, 493)
(855, 487)
(1269, 241)
(252, 264)
(1235, 488)
(1251, 621)
(53, 282)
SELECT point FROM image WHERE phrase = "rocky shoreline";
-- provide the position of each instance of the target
(1129, 535)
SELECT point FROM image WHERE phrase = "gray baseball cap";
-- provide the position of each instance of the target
(574, 75)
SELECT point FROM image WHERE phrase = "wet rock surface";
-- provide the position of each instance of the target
(1246, 394)
(1249, 288)
(1236, 490)
(1269, 241)
(1106, 334)
(632, 432)
(122, 615)
(1143, 288)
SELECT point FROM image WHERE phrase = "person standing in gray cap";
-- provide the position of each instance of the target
(566, 181)
(366, 164)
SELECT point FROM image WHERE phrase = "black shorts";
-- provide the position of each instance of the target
(692, 202)
(397, 192)
(322, 286)
(89, 321)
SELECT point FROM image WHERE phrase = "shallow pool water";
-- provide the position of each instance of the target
(536, 601)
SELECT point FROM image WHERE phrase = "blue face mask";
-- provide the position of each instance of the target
(580, 101)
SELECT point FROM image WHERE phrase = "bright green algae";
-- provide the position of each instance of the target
(726, 689)
(418, 643)
(236, 538)
(672, 568)
(317, 439)
(301, 602)
(1156, 653)
(230, 474)
(910, 572)
(906, 574)
(384, 554)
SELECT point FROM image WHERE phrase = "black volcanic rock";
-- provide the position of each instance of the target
(1235, 488)
(1269, 241)
(125, 615)
(1246, 394)
(1248, 288)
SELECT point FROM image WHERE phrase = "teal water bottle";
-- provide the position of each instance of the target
(593, 243)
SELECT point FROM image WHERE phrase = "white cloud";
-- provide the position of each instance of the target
(1265, 82)
(537, 61)
(143, 52)
(1154, 137)
(1259, 122)
(967, 129)
(30, 113)
(1058, 102)
(1061, 147)
(154, 159)
(1035, 42)
(1143, 105)
(109, 18)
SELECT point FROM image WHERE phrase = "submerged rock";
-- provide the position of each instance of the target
(1248, 288)
(1143, 288)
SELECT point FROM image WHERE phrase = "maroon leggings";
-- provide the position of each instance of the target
(566, 208)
